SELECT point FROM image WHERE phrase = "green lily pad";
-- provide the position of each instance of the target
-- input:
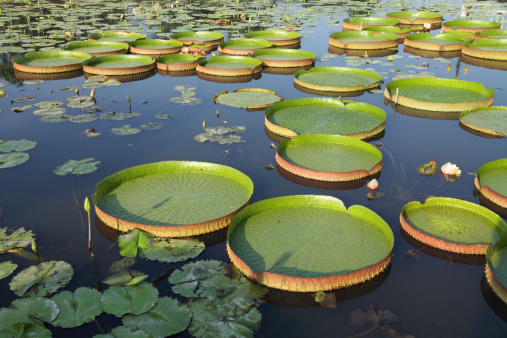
(186, 198)
(166, 318)
(83, 118)
(177, 62)
(496, 268)
(77, 167)
(278, 57)
(133, 242)
(13, 159)
(23, 99)
(492, 49)
(416, 18)
(289, 236)
(55, 118)
(337, 79)
(169, 250)
(200, 37)
(439, 42)
(50, 111)
(249, 98)
(243, 47)
(53, 61)
(15, 323)
(363, 40)
(163, 116)
(92, 109)
(452, 225)
(151, 126)
(188, 280)
(117, 116)
(228, 65)
(77, 308)
(19, 238)
(469, 25)
(7, 268)
(125, 130)
(491, 181)
(41, 308)
(325, 116)
(217, 134)
(136, 300)
(490, 120)
(80, 101)
(119, 64)
(329, 157)
(358, 22)
(17, 145)
(437, 94)
(48, 104)
(124, 332)
(41, 280)
(493, 33)
(98, 48)
(116, 36)
(122, 278)
(155, 46)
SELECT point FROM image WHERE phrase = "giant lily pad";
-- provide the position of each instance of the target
(119, 64)
(491, 181)
(277, 36)
(178, 62)
(201, 37)
(337, 79)
(437, 94)
(328, 157)
(401, 32)
(416, 18)
(41, 280)
(155, 46)
(439, 42)
(98, 48)
(363, 40)
(491, 49)
(229, 66)
(309, 243)
(55, 61)
(489, 120)
(324, 116)
(181, 198)
(243, 47)
(492, 34)
(17, 145)
(287, 58)
(359, 22)
(19, 238)
(496, 268)
(249, 98)
(77, 308)
(452, 225)
(166, 318)
(124, 37)
(470, 25)
(136, 300)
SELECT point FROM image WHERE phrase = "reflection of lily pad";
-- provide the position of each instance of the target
(54, 61)
(452, 225)
(491, 181)
(279, 37)
(439, 42)
(288, 235)
(249, 98)
(125, 130)
(13, 159)
(41, 280)
(17, 145)
(490, 120)
(77, 167)
(491, 49)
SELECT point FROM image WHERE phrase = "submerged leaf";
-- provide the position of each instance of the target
(192, 274)
(170, 250)
(122, 265)
(77, 308)
(19, 238)
(136, 300)
(43, 279)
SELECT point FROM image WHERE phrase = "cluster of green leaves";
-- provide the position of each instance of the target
(187, 96)
(14, 152)
(77, 167)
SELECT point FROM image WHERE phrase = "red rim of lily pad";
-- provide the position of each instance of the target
(329, 148)
(198, 38)
(482, 129)
(122, 64)
(274, 57)
(432, 53)
(479, 49)
(469, 25)
(494, 265)
(453, 42)
(22, 62)
(329, 279)
(489, 192)
(177, 62)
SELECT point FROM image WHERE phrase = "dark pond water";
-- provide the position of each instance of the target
(431, 295)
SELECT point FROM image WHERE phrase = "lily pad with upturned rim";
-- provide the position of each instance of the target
(98, 48)
(200, 37)
(401, 32)
(125, 37)
(249, 98)
(491, 181)
(491, 49)
(55, 61)
(439, 42)
(337, 79)
(490, 120)
(496, 268)
(328, 157)
(492, 34)
(363, 40)
(119, 64)
(452, 225)
(358, 22)
(416, 18)
(438, 94)
(287, 58)
(229, 66)
(309, 243)
(243, 47)
(469, 25)
(155, 46)
(173, 198)
(279, 37)
(178, 62)
(325, 116)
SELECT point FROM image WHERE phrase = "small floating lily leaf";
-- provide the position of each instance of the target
(133, 242)
(23, 99)
(55, 118)
(163, 116)
(17, 145)
(112, 116)
(22, 108)
(122, 265)
(214, 134)
(151, 126)
(170, 250)
(14, 323)
(112, 82)
(92, 109)
(77, 308)
(48, 104)
(38, 307)
(7, 268)
(69, 88)
(83, 118)
(124, 332)
(43, 279)
(230, 139)
(77, 167)
(50, 111)
(125, 130)
(166, 318)
(80, 101)
(191, 275)
(19, 238)
(136, 300)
